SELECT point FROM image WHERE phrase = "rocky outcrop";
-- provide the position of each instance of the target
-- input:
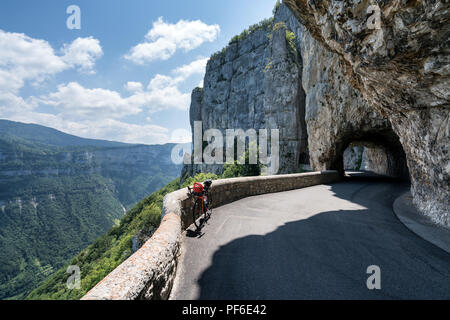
(369, 157)
(353, 157)
(336, 112)
(396, 54)
(284, 98)
(255, 83)
(375, 159)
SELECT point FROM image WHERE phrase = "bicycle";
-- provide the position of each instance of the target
(202, 202)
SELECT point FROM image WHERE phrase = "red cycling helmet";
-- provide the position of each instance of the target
(197, 187)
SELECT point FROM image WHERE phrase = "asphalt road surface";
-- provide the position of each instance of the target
(312, 243)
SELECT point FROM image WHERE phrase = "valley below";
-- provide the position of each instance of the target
(58, 193)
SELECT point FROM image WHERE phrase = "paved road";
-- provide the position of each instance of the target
(312, 243)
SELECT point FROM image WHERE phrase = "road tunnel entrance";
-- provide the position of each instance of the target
(376, 152)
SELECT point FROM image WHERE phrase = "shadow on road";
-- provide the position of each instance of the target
(326, 256)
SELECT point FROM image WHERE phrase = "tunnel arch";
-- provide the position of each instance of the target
(385, 141)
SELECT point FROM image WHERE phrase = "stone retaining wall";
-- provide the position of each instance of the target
(149, 272)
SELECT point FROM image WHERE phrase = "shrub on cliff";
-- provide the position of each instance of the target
(235, 169)
(275, 8)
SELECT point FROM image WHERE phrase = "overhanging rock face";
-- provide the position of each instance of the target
(336, 113)
(396, 53)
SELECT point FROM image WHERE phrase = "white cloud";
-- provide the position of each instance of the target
(163, 90)
(98, 112)
(161, 49)
(180, 136)
(161, 81)
(164, 39)
(11, 104)
(75, 100)
(180, 74)
(161, 98)
(162, 93)
(82, 52)
(107, 129)
(23, 58)
(196, 67)
(133, 86)
(110, 129)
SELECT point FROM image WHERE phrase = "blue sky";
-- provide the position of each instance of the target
(126, 75)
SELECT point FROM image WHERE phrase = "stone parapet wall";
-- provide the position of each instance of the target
(149, 272)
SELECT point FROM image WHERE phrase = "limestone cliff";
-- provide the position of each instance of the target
(336, 112)
(255, 83)
(396, 53)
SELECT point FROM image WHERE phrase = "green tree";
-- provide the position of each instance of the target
(245, 169)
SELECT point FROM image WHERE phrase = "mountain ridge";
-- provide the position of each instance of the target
(58, 193)
(51, 136)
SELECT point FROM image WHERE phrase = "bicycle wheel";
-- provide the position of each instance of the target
(197, 211)
(209, 206)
